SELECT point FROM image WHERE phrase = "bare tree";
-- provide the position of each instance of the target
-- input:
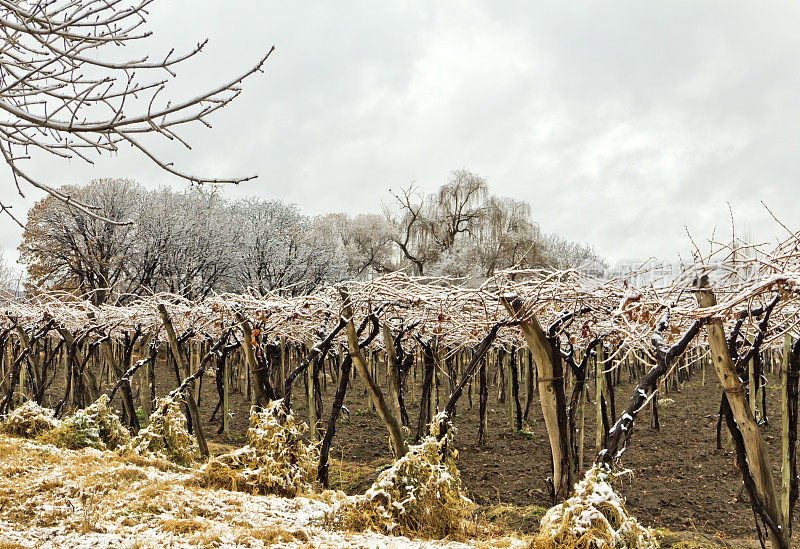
(363, 242)
(461, 230)
(426, 228)
(410, 234)
(561, 253)
(190, 254)
(67, 249)
(64, 94)
(197, 254)
(280, 250)
(212, 245)
(456, 209)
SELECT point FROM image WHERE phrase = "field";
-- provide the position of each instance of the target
(369, 348)
(679, 482)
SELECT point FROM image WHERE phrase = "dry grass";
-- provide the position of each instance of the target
(276, 460)
(90, 497)
(348, 476)
(504, 519)
(271, 535)
(182, 526)
(594, 517)
(166, 436)
(420, 495)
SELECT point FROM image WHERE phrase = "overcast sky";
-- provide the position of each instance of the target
(620, 122)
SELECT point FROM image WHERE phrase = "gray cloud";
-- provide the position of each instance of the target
(621, 122)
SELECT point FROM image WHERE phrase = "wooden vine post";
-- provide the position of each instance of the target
(22, 373)
(226, 376)
(312, 410)
(752, 386)
(411, 375)
(279, 386)
(254, 381)
(197, 353)
(24, 342)
(434, 378)
(582, 425)
(786, 471)
(517, 406)
(555, 422)
(600, 382)
(74, 359)
(428, 366)
(393, 371)
(10, 359)
(483, 397)
(392, 423)
(755, 449)
(437, 380)
(144, 381)
(508, 364)
(179, 357)
(703, 366)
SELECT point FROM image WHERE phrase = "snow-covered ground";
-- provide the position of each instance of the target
(54, 497)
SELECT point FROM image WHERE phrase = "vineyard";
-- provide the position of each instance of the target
(362, 413)
(458, 368)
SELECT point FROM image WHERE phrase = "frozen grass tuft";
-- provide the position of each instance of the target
(166, 435)
(420, 495)
(29, 421)
(594, 518)
(96, 426)
(275, 460)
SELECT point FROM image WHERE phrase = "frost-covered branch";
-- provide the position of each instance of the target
(63, 94)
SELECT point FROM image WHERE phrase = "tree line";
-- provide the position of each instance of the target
(195, 242)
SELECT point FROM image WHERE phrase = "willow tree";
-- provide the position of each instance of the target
(426, 227)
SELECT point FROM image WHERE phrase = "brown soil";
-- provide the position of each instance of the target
(679, 482)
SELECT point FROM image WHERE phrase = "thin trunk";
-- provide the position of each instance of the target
(515, 389)
(180, 360)
(338, 402)
(393, 369)
(551, 393)
(427, 385)
(483, 396)
(391, 422)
